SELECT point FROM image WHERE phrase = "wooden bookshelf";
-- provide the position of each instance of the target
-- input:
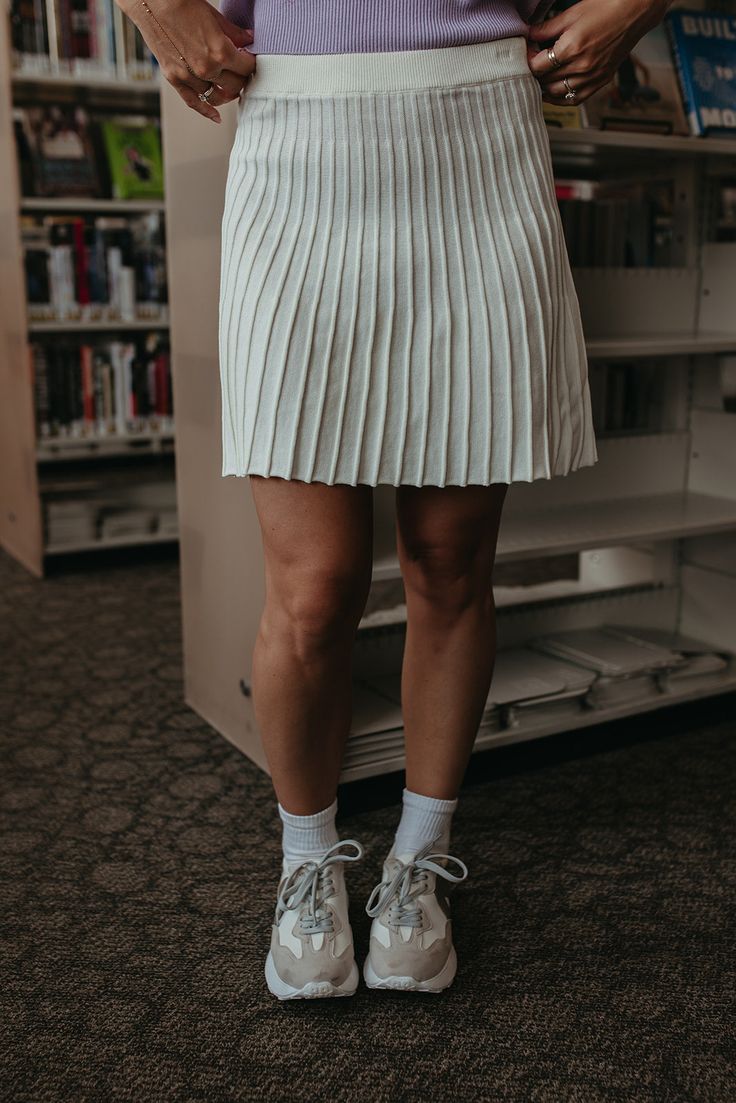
(23, 458)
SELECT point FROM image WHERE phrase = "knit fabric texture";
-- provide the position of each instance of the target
(348, 26)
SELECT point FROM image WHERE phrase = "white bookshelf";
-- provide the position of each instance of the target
(89, 82)
(630, 142)
(24, 459)
(652, 524)
(112, 542)
(106, 325)
(62, 449)
(94, 206)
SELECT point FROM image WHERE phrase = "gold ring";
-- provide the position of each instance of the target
(553, 58)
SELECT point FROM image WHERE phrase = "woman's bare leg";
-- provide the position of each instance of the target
(318, 545)
(447, 544)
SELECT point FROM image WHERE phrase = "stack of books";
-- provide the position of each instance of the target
(70, 522)
(119, 523)
(632, 663)
(554, 679)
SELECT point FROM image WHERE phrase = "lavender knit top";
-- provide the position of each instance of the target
(351, 26)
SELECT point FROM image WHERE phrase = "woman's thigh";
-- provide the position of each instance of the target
(317, 540)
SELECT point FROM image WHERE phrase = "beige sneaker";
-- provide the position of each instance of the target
(411, 935)
(311, 954)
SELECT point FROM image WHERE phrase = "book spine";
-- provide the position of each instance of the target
(52, 27)
(87, 387)
(93, 29)
(65, 37)
(99, 400)
(119, 35)
(116, 364)
(674, 33)
(77, 395)
(81, 268)
(39, 368)
(161, 385)
(114, 265)
(129, 407)
(41, 29)
(107, 404)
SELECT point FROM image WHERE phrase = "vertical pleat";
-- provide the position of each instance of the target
(397, 304)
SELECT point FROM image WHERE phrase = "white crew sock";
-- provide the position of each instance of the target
(308, 836)
(423, 819)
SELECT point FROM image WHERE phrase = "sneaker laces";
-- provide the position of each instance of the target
(399, 895)
(309, 885)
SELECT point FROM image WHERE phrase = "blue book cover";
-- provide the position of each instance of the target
(704, 49)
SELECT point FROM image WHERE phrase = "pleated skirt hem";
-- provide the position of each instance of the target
(286, 473)
(396, 300)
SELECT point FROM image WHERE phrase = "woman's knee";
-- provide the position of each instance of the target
(317, 606)
(449, 577)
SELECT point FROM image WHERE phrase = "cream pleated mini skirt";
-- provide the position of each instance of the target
(396, 300)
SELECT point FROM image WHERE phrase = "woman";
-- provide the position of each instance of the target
(396, 307)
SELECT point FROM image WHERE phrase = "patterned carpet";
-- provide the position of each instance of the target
(139, 855)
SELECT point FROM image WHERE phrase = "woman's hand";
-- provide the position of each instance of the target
(196, 47)
(590, 39)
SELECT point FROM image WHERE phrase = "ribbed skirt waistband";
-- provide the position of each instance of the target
(388, 71)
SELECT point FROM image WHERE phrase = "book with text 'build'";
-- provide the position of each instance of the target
(704, 48)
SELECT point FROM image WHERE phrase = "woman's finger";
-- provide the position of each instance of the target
(564, 51)
(237, 59)
(584, 87)
(229, 85)
(202, 107)
(191, 97)
(239, 36)
(553, 27)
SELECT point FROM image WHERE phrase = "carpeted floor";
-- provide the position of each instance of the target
(139, 855)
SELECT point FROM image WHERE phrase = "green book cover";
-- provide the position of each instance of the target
(133, 147)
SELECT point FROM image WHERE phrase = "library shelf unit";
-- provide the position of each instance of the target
(651, 526)
(33, 470)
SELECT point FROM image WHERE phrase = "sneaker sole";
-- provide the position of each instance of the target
(312, 990)
(443, 979)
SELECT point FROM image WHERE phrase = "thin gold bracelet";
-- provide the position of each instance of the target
(178, 51)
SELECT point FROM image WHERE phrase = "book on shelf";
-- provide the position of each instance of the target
(632, 663)
(95, 268)
(125, 522)
(106, 514)
(133, 146)
(560, 116)
(557, 677)
(56, 152)
(69, 521)
(613, 223)
(84, 38)
(680, 79)
(102, 390)
(527, 682)
(704, 48)
(29, 34)
(643, 95)
(625, 396)
(64, 151)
